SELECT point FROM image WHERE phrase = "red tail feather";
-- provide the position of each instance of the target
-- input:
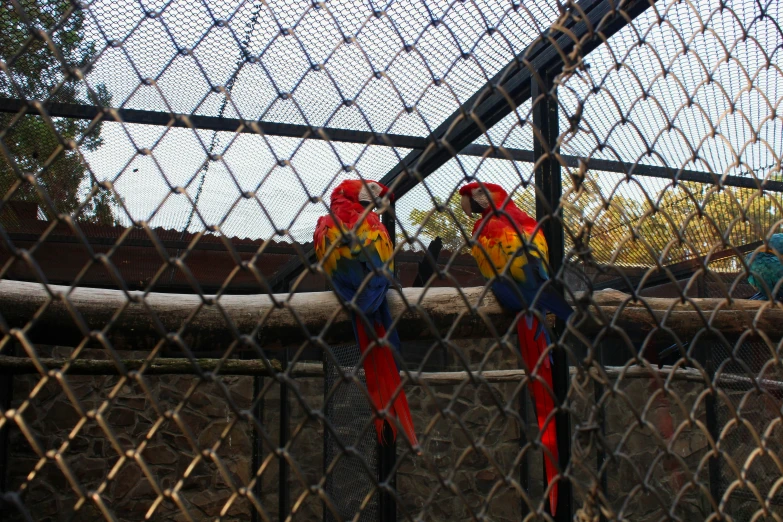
(532, 349)
(383, 379)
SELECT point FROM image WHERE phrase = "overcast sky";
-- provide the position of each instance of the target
(150, 47)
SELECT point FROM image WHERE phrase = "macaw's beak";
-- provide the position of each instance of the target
(466, 205)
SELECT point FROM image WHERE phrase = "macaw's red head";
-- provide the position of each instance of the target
(475, 197)
(364, 193)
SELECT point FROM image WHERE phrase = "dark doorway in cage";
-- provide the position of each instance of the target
(349, 480)
(738, 373)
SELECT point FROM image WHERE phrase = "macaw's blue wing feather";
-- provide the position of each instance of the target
(536, 270)
(347, 277)
(372, 295)
(551, 300)
(363, 272)
(547, 299)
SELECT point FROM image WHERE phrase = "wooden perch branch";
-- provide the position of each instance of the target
(160, 366)
(142, 323)
(24, 365)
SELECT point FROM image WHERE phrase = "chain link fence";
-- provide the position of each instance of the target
(404, 261)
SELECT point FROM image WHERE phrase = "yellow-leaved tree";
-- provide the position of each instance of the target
(676, 223)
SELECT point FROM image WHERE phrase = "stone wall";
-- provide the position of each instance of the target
(470, 434)
(91, 447)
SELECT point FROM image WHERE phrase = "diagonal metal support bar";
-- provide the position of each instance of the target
(599, 20)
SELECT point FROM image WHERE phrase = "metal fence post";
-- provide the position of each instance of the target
(387, 218)
(258, 413)
(387, 453)
(285, 426)
(6, 397)
(702, 352)
(257, 442)
(387, 459)
(711, 410)
(600, 454)
(524, 466)
(548, 181)
(327, 418)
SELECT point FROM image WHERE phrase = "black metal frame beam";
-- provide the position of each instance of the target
(713, 427)
(290, 130)
(6, 400)
(387, 476)
(167, 119)
(524, 465)
(387, 453)
(636, 169)
(549, 215)
(283, 488)
(600, 436)
(257, 443)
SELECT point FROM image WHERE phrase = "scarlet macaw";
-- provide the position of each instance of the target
(521, 273)
(354, 247)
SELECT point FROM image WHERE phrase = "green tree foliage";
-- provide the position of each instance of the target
(41, 70)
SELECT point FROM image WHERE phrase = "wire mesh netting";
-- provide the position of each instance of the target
(417, 260)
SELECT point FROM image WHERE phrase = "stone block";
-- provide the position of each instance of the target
(126, 479)
(61, 416)
(486, 479)
(159, 454)
(121, 417)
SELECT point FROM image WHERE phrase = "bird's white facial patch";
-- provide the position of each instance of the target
(369, 192)
(480, 197)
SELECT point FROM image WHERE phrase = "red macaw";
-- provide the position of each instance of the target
(521, 273)
(354, 247)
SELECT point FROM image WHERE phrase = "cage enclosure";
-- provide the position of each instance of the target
(218, 217)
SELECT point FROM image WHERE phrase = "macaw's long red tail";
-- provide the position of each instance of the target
(532, 348)
(383, 379)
